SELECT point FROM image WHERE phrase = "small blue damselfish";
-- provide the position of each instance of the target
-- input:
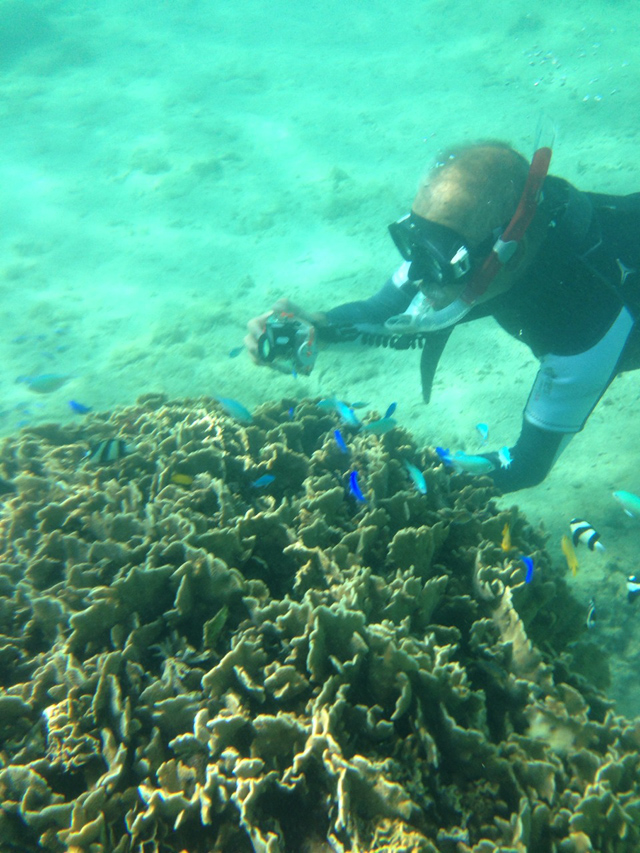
(235, 410)
(355, 488)
(263, 481)
(340, 441)
(483, 429)
(346, 413)
(417, 476)
(379, 427)
(445, 455)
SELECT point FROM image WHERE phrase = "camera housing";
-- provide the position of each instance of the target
(286, 338)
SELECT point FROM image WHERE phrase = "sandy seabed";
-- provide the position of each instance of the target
(169, 169)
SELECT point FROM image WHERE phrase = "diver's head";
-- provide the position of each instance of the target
(461, 207)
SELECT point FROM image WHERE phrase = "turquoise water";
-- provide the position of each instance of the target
(169, 169)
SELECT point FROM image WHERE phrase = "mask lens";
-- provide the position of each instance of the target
(402, 237)
(437, 253)
(425, 267)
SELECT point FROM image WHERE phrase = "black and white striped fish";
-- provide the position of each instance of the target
(107, 451)
(582, 531)
(633, 588)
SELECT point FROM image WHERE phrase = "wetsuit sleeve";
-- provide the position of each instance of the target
(389, 300)
(533, 456)
(367, 317)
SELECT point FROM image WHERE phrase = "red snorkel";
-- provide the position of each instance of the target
(505, 246)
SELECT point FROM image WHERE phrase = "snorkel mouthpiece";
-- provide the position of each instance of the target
(428, 320)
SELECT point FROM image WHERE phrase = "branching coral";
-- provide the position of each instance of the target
(193, 662)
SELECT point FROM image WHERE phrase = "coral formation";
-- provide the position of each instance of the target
(196, 659)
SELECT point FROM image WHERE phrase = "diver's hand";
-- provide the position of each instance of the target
(286, 306)
(255, 329)
(257, 325)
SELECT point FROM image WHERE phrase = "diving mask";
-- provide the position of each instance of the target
(411, 236)
(437, 254)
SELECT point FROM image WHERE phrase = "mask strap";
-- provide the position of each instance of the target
(505, 246)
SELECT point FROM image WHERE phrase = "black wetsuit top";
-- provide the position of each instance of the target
(579, 298)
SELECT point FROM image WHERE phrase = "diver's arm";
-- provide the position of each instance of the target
(533, 456)
(345, 322)
(389, 300)
(367, 315)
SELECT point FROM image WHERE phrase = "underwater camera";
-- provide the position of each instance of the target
(286, 338)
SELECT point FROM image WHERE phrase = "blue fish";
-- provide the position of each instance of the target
(445, 454)
(79, 408)
(263, 481)
(483, 429)
(629, 502)
(504, 455)
(471, 464)
(347, 415)
(417, 477)
(235, 410)
(355, 488)
(340, 441)
(379, 427)
(235, 352)
(390, 410)
(528, 562)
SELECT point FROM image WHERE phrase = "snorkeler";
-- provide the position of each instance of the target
(490, 234)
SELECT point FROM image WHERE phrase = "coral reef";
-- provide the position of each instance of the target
(196, 658)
